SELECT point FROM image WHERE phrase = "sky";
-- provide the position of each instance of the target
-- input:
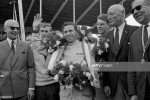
(131, 21)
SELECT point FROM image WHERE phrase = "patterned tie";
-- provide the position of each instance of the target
(145, 34)
(12, 47)
(116, 41)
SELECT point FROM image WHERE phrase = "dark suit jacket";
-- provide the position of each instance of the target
(111, 78)
(137, 80)
(18, 71)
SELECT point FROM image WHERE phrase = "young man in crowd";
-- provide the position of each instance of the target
(46, 87)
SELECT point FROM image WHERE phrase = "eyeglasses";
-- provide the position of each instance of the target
(13, 28)
(139, 7)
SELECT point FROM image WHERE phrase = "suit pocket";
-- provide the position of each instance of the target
(1, 78)
(23, 52)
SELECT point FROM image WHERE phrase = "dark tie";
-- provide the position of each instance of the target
(12, 47)
(45, 57)
(145, 34)
(116, 41)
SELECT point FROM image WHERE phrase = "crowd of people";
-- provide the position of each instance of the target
(26, 68)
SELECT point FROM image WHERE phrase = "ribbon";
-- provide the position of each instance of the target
(54, 58)
(90, 59)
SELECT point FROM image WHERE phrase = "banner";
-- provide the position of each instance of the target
(121, 67)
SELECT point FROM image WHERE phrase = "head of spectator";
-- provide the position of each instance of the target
(116, 15)
(44, 29)
(69, 31)
(29, 39)
(102, 23)
(141, 11)
(11, 27)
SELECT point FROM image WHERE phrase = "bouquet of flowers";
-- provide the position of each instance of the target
(101, 48)
(52, 41)
(85, 33)
(72, 75)
(61, 73)
(81, 75)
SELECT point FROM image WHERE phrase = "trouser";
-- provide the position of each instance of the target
(48, 92)
(120, 93)
(147, 90)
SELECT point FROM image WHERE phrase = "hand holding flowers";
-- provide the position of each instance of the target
(52, 41)
(75, 75)
(101, 48)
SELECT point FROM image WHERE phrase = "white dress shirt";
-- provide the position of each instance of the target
(148, 29)
(9, 41)
(121, 27)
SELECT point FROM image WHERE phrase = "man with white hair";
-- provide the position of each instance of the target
(17, 73)
(139, 82)
(115, 83)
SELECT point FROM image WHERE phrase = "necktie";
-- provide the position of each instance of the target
(12, 47)
(116, 41)
(145, 34)
(45, 57)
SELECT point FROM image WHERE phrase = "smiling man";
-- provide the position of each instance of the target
(73, 53)
(115, 83)
(102, 24)
(17, 73)
(139, 82)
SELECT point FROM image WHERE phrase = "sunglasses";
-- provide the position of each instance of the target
(139, 7)
(13, 28)
(46, 31)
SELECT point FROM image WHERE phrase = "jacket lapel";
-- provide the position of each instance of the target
(148, 43)
(139, 38)
(6, 48)
(18, 50)
(123, 37)
(111, 38)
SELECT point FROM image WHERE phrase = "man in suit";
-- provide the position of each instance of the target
(17, 73)
(139, 82)
(115, 83)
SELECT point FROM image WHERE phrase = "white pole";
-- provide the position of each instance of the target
(15, 14)
(21, 20)
(100, 1)
(41, 8)
(74, 16)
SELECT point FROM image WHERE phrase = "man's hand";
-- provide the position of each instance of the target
(107, 91)
(134, 97)
(37, 21)
(30, 94)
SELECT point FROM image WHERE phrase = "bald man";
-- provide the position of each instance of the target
(17, 73)
(115, 83)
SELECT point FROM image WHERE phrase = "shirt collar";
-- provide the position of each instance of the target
(9, 41)
(149, 23)
(121, 26)
(73, 43)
